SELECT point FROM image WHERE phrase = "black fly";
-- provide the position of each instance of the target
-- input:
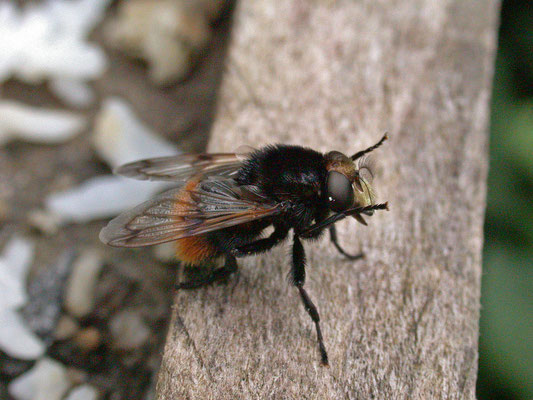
(224, 202)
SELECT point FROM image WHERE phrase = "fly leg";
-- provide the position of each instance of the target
(313, 230)
(334, 240)
(261, 245)
(221, 273)
(298, 280)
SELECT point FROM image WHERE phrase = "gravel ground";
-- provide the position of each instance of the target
(132, 286)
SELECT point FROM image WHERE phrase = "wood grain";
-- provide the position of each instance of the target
(403, 322)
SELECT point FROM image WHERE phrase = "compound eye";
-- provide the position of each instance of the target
(340, 191)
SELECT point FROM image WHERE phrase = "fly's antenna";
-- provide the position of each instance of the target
(361, 153)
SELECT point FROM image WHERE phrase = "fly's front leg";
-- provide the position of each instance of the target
(312, 230)
(298, 279)
(261, 245)
(334, 240)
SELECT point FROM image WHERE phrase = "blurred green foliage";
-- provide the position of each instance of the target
(506, 327)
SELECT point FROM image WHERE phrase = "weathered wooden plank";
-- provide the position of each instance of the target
(403, 322)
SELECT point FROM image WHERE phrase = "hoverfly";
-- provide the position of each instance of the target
(223, 202)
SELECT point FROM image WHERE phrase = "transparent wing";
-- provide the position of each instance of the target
(211, 205)
(182, 167)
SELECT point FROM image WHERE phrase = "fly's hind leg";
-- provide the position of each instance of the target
(335, 241)
(218, 274)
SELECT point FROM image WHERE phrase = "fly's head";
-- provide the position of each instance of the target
(349, 180)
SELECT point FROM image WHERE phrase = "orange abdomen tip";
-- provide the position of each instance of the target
(192, 250)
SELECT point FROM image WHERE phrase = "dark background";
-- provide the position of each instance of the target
(506, 326)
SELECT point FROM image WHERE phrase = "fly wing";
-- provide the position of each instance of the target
(178, 213)
(182, 167)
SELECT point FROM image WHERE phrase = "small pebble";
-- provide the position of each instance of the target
(47, 380)
(37, 125)
(44, 221)
(15, 261)
(16, 338)
(101, 197)
(47, 40)
(88, 339)
(120, 137)
(128, 330)
(12, 291)
(18, 255)
(66, 328)
(168, 34)
(79, 297)
(73, 92)
(83, 392)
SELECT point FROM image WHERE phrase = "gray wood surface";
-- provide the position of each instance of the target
(403, 322)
